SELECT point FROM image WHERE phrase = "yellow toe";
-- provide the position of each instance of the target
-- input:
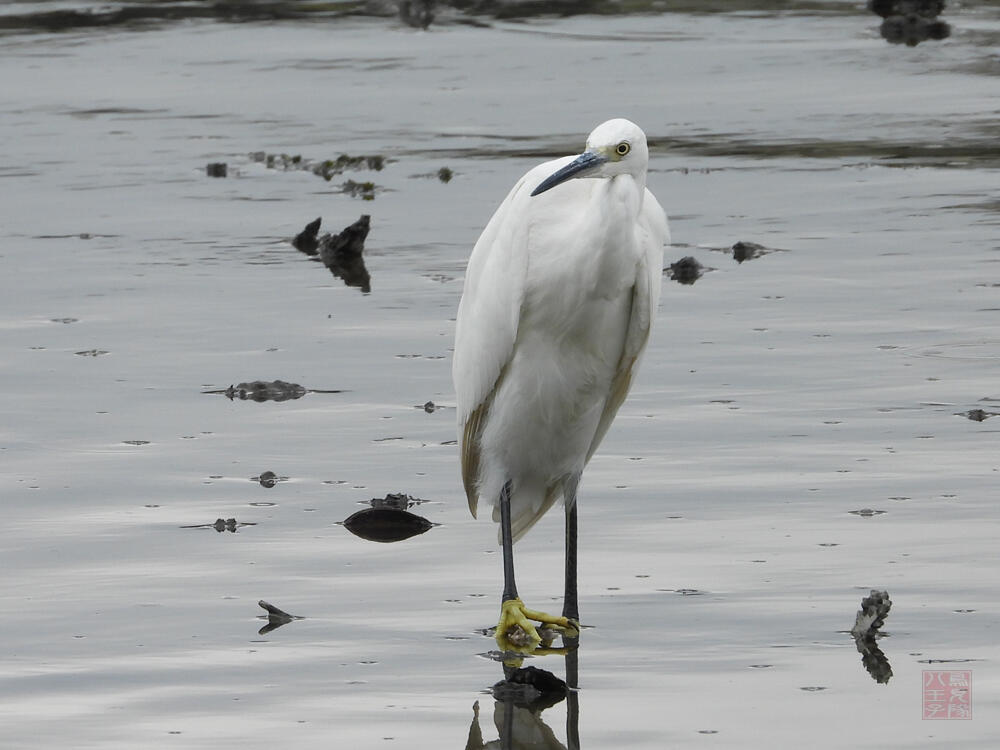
(517, 632)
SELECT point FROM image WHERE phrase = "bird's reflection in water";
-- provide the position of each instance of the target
(519, 700)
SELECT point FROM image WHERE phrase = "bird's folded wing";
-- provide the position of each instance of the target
(653, 233)
(486, 327)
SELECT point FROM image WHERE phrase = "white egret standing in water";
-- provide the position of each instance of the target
(560, 293)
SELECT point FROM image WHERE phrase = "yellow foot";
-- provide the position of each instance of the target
(516, 632)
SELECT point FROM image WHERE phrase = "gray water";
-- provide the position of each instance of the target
(721, 562)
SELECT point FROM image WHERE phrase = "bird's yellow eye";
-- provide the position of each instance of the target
(622, 148)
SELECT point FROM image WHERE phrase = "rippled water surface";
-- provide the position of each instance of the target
(722, 560)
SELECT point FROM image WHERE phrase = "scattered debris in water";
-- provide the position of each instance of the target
(867, 624)
(216, 169)
(220, 525)
(686, 271)
(270, 390)
(910, 22)
(388, 520)
(327, 169)
(417, 13)
(275, 618)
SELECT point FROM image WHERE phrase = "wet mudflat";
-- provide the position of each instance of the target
(798, 435)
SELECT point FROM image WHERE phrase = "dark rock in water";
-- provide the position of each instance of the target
(349, 243)
(216, 169)
(386, 524)
(530, 687)
(925, 8)
(260, 390)
(748, 251)
(686, 271)
(540, 679)
(870, 618)
(417, 13)
(429, 407)
(343, 254)
(305, 241)
(444, 174)
(911, 30)
(267, 479)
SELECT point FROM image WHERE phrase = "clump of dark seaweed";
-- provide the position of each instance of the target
(363, 190)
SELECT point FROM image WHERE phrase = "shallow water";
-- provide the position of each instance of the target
(721, 563)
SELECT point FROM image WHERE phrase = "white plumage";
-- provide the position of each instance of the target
(560, 293)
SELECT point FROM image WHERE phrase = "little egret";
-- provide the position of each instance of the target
(560, 292)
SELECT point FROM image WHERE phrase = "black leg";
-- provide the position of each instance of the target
(571, 607)
(573, 699)
(509, 587)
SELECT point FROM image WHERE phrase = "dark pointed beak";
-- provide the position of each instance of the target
(584, 164)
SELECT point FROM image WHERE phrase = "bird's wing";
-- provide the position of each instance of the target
(652, 233)
(486, 326)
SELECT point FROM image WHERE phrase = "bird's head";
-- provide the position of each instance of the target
(614, 148)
